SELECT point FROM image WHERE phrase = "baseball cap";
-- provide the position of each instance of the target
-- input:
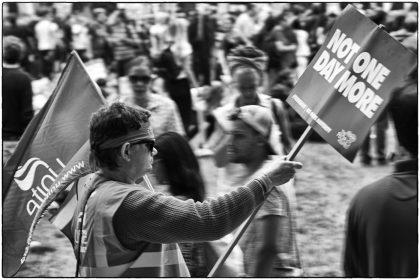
(257, 117)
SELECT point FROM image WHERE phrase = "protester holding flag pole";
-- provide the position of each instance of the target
(123, 229)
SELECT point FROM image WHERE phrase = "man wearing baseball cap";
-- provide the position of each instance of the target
(269, 244)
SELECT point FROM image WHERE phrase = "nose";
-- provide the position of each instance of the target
(154, 152)
(139, 82)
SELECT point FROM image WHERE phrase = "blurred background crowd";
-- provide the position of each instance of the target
(108, 36)
(172, 59)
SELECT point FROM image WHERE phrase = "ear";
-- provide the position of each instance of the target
(125, 152)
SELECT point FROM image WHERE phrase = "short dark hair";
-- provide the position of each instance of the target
(140, 62)
(13, 49)
(250, 6)
(247, 51)
(404, 110)
(181, 165)
(113, 121)
(43, 11)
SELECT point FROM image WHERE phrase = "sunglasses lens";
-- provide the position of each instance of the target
(135, 79)
(150, 146)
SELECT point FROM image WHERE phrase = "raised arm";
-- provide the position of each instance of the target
(156, 218)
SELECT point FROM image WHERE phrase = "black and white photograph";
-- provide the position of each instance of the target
(209, 139)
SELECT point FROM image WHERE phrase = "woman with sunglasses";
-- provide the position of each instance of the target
(165, 115)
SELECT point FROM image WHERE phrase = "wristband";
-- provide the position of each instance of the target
(265, 182)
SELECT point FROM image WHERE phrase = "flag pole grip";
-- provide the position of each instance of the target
(292, 154)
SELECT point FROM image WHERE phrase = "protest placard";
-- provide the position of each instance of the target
(350, 80)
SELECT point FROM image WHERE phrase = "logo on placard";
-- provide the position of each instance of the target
(346, 138)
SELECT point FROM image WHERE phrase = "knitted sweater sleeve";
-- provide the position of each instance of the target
(158, 218)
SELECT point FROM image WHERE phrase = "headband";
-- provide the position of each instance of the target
(145, 132)
(258, 63)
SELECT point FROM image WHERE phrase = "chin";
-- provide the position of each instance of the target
(233, 159)
(140, 91)
(148, 170)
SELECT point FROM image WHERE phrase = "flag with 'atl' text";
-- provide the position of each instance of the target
(50, 155)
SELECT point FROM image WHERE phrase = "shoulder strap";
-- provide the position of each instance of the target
(274, 110)
(79, 225)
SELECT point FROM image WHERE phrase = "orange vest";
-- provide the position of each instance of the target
(101, 253)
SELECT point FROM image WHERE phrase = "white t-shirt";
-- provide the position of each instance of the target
(157, 33)
(181, 50)
(245, 25)
(46, 35)
(80, 36)
(302, 40)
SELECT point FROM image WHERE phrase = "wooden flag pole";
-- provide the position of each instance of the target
(292, 154)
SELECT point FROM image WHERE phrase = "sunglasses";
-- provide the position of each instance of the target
(148, 143)
(136, 79)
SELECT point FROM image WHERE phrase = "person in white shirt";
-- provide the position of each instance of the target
(302, 51)
(157, 33)
(246, 25)
(80, 37)
(46, 34)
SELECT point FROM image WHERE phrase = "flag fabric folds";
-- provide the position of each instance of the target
(51, 154)
(72, 177)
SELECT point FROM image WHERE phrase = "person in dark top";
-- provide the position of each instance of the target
(17, 90)
(17, 95)
(282, 51)
(201, 36)
(382, 225)
(99, 34)
(24, 33)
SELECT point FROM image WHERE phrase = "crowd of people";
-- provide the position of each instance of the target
(221, 78)
(188, 50)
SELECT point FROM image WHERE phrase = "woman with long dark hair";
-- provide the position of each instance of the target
(175, 165)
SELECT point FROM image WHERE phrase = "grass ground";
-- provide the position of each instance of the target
(324, 188)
